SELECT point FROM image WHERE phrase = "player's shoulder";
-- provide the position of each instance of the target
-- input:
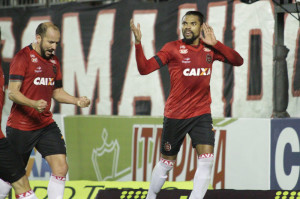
(207, 48)
(23, 52)
(21, 56)
(173, 44)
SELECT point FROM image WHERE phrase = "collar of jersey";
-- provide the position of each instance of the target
(37, 54)
(197, 49)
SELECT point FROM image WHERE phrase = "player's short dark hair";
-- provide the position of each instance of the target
(43, 27)
(196, 13)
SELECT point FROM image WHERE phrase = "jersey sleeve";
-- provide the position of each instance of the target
(164, 55)
(146, 66)
(18, 67)
(225, 54)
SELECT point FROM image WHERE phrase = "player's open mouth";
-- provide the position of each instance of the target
(188, 33)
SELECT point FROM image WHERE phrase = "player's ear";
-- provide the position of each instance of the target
(38, 38)
(202, 31)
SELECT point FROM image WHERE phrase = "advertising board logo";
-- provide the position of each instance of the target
(285, 150)
(108, 153)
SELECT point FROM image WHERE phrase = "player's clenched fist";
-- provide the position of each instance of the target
(40, 105)
(83, 102)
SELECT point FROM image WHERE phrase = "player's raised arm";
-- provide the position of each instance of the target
(145, 66)
(231, 56)
(136, 32)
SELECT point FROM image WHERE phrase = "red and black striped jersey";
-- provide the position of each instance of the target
(39, 78)
(190, 69)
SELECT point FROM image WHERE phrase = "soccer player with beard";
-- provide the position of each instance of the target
(12, 172)
(34, 78)
(187, 109)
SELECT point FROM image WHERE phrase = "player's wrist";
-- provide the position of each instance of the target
(76, 101)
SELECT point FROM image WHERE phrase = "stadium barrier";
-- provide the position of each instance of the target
(138, 190)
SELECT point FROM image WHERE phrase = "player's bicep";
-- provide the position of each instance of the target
(14, 85)
(56, 92)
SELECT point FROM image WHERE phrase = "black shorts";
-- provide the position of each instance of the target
(47, 141)
(199, 128)
(11, 164)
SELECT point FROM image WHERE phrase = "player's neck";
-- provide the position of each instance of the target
(36, 47)
(196, 42)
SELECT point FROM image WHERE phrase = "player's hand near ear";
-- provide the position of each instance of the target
(209, 37)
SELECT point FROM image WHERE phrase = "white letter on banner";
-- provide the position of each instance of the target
(97, 66)
(136, 85)
(216, 18)
(285, 181)
(28, 35)
(7, 35)
(291, 38)
(247, 18)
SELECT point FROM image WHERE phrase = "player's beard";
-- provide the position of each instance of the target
(189, 41)
(43, 52)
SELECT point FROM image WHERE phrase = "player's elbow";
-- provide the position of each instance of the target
(143, 71)
(239, 62)
(11, 94)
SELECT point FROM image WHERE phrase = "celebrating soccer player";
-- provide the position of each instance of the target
(34, 78)
(187, 109)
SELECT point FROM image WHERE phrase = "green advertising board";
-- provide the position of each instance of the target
(122, 148)
(100, 148)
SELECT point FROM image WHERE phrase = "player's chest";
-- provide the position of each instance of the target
(197, 59)
(198, 64)
(39, 68)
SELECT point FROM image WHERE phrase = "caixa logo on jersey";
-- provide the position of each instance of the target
(196, 71)
(45, 81)
(285, 154)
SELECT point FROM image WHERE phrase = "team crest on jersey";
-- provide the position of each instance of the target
(209, 58)
(34, 59)
(167, 146)
(52, 61)
(186, 60)
(38, 69)
(183, 49)
(206, 49)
